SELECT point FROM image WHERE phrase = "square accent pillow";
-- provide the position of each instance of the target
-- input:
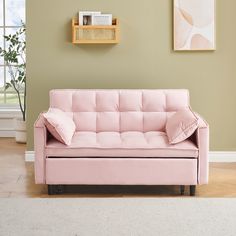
(181, 125)
(60, 125)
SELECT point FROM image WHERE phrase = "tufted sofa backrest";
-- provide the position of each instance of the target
(119, 110)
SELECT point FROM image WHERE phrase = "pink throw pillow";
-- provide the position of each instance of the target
(181, 125)
(60, 125)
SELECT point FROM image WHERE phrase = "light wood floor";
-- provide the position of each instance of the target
(17, 180)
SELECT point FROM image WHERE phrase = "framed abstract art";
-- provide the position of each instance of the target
(194, 25)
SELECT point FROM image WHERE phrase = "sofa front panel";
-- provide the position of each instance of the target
(117, 171)
(119, 110)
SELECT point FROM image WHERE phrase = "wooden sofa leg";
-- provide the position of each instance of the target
(182, 188)
(55, 189)
(50, 189)
(192, 190)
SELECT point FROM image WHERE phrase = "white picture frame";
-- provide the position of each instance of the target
(194, 25)
(102, 19)
(85, 17)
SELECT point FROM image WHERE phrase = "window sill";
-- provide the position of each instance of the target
(9, 112)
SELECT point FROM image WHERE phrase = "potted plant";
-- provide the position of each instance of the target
(14, 57)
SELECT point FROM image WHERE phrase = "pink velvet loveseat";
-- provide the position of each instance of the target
(120, 139)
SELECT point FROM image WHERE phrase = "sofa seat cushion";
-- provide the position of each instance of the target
(126, 144)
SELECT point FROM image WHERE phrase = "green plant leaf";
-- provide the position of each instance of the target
(8, 85)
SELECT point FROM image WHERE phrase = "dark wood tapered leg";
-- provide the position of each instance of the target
(55, 189)
(50, 189)
(192, 190)
(182, 188)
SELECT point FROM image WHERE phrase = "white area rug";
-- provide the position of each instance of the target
(118, 216)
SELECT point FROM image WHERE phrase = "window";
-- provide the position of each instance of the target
(12, 13)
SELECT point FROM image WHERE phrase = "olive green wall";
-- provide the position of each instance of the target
(143, 59)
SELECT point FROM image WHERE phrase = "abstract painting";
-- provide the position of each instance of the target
(194, 25)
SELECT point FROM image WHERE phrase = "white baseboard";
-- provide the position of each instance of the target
(222, 156)
(29, 156)
(213, 156)
(7, 133)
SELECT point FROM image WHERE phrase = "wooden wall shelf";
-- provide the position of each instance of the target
(95, 34)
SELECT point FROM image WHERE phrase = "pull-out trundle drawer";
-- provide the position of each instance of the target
(121, 171)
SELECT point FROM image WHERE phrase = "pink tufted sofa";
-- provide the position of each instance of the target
(120, 139)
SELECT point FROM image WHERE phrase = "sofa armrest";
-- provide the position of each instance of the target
(40, 139)
(202, 141)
